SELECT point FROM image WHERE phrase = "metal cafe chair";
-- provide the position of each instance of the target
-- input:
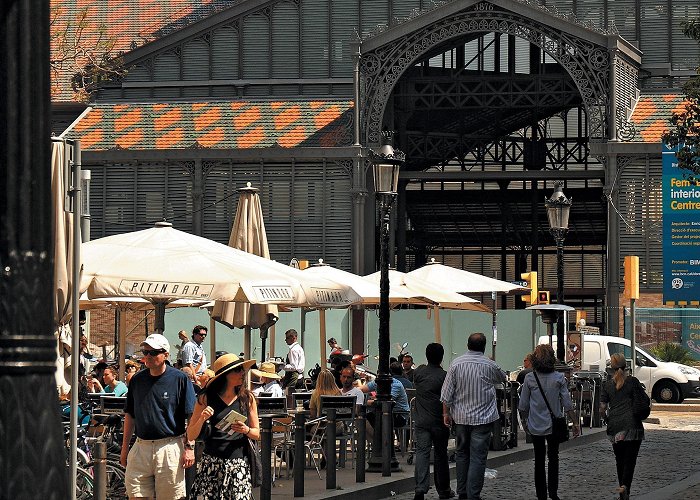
(345, 407)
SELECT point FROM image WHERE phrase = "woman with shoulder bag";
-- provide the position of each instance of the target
(625, 430)
(543, 394)
(225, 469)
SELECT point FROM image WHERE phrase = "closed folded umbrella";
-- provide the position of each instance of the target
(248, 234)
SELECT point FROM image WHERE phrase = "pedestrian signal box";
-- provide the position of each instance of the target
(543, 297)
(531, 280)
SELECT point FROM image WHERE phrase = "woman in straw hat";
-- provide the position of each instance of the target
(224, 472)
(269, 379)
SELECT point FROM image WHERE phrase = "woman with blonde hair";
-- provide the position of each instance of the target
(325, 386)
(225, 417)
(544, 382)
(625, 431)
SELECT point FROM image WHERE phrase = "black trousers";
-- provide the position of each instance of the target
(626, 459)
(546, 481)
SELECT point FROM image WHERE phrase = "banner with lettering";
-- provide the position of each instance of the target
(681, 233)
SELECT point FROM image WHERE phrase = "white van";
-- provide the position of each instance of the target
(665, 382)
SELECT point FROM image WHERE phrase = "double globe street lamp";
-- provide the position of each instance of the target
(558, 207)
(386, 163)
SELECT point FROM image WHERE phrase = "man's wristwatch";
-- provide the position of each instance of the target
(189, 445)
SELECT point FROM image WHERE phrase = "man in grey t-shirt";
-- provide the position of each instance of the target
(431, 430)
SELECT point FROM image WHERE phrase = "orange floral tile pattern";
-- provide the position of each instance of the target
(651, 114)
(216, 124)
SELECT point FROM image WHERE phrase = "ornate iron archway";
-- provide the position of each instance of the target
(589, 64)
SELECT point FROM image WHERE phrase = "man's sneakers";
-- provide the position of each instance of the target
(419, 496)
(446, 495)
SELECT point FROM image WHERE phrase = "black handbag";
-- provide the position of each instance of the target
(641, 404)
(560, 427)
(253, 453)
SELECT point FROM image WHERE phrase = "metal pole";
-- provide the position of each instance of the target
(387, 438)
(559, 237)
(265, 457)
(494, 326)
(330, 450)
(32, 445)
(633, 319)
(99, 469)
(361, 444)
(75, 320)
(299, 436)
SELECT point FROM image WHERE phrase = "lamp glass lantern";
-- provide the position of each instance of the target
(386, 166)
(558, 207)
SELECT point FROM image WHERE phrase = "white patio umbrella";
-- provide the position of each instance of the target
(247, 234)
(428, 292)
(367, 290)
(163, 264)
(460, 281)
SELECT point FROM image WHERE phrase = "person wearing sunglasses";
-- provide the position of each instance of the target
(193, 352)
(159, 403)
(225, 418)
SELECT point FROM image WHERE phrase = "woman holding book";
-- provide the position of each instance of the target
(225, 417)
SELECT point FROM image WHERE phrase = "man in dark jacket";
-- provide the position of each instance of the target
(430, 427)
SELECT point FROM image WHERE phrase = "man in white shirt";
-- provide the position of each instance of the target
(193, 352)
(294, 368)
(347, 378)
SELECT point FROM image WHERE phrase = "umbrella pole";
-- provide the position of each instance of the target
(246, 342)
(212, 340)
(272, 341)
(322, 321)
(122, 345)
(436, 320)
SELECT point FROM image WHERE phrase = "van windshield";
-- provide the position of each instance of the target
(643, 357)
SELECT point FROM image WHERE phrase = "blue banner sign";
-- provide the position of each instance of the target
(681, 233)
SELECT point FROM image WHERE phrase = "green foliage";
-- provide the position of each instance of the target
(670, 351)
(685, 126)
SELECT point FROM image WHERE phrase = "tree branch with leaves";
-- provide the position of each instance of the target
(83, 51)
(685, 125)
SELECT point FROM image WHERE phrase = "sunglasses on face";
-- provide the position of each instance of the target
(201, 334)
(152, 352)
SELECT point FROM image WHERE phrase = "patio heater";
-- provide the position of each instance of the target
(386, 164)
(558, 207)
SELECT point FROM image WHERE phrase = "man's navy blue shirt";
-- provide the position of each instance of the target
(160, 405)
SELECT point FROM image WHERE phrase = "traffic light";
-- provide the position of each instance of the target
(543, 297)
(531, 280)
(631, 277)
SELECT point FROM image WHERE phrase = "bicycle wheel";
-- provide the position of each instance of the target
(116, 489)
(84, 485)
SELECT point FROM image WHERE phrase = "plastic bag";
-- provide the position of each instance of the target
(490, 474)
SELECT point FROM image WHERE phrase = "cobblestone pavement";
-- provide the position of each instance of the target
(668, 455)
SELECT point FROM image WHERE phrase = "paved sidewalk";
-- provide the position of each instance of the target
(667, 468)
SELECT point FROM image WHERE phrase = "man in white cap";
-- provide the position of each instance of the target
(269, 380)
(159, 403)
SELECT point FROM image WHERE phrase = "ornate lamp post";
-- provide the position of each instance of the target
(558, 207)
(386, 164)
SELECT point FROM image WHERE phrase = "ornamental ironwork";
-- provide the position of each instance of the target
(587, 63)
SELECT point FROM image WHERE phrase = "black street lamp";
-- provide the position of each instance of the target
(558, 207)
(386, 164)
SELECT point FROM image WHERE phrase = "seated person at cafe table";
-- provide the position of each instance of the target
(400, 410)
(269, 380)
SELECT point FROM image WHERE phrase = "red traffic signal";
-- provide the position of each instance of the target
(543, 297)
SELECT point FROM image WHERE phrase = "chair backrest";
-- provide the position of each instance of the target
(272, 406)
(410, 393)
(110, 405)
(264, 394)
(344, 406)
